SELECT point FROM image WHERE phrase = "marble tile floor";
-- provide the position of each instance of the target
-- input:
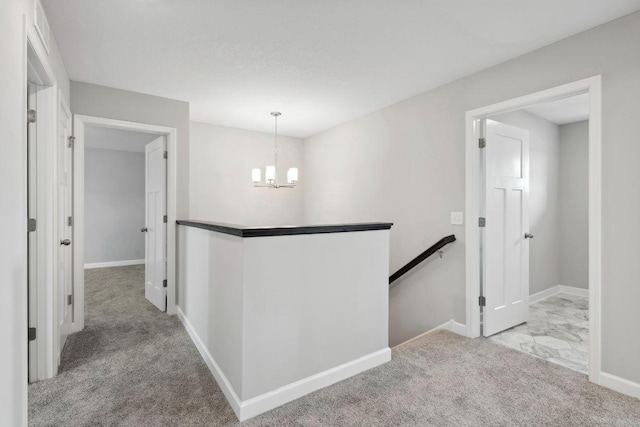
(557, 331)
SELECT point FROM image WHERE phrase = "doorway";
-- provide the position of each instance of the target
(483, 295)
(125, 204)
(46, 293)
(160, 244)
(544, 230)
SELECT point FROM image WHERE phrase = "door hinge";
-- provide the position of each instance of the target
(69, 299)
(164, 283)
(482, 222)
(482, 142)
(31, 334)
(31, 116)
(482, 301)
(71, 140)
(165, 155)
(165, 219)
(70, 221)
(32, 225)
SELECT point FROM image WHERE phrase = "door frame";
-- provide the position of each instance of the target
(43, 287)
(79, 124)
(592, 86)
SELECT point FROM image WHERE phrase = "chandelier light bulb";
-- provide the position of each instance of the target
(292, 175)
(255, 175)
(271, 171)
(270, 174)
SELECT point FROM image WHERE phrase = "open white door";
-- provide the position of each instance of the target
(64, 294)
(506, 249)
(156, 228)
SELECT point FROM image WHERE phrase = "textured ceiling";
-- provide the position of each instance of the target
(319, 62)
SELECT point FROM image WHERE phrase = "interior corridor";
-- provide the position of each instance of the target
(131, 365)
(136, 366)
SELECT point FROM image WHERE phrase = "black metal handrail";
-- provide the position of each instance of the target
(424, 255)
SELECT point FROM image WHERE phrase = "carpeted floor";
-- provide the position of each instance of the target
(136, 366)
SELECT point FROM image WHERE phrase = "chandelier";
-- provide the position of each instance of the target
(271, 171)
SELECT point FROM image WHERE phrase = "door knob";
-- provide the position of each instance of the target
(528, 236)
(65, 242)
(143, 229)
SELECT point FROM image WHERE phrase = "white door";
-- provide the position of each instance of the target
(506, 249)
(64, 293)
(155, 228)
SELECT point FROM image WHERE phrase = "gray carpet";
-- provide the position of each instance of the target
(136, 366)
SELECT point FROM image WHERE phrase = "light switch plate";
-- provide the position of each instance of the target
(457, 218)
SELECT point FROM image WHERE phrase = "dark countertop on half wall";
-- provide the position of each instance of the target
(244, 231)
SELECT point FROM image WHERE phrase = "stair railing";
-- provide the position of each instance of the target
(424, 255)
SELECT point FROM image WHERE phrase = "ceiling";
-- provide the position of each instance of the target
(116, 139)
(563, 111)
(321, 63)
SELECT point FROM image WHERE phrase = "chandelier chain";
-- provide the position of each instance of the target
(276, 144)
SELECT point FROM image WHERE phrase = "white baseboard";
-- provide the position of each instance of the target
(580, 292)
(620, 385)
(539, 296)
(221, 379)
(451, 325)
(558, 289)
(267, 401)
(270, 400)
(458, 328)
(114, 263)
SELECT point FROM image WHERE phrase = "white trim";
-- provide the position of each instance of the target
(558, 289)
(79, 123)
(595, 229)
(571, 290)
(539, 296)
(458, 328)
(45, 280)
(113, 263)
(591, 85)
(445, 326)
(22, 312)
(620, 385)
(221, 378)
(78, 227)
(451, 325)
(472, 234)
(267, 401)
(270, 400)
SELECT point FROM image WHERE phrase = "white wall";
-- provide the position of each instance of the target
(13, 257)
(312, 302)
(114, 203)
(574, 204)
(544, 194)
(282, 316)
(210, 271)
(221, 160)
(406, 163)
(109, 103)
